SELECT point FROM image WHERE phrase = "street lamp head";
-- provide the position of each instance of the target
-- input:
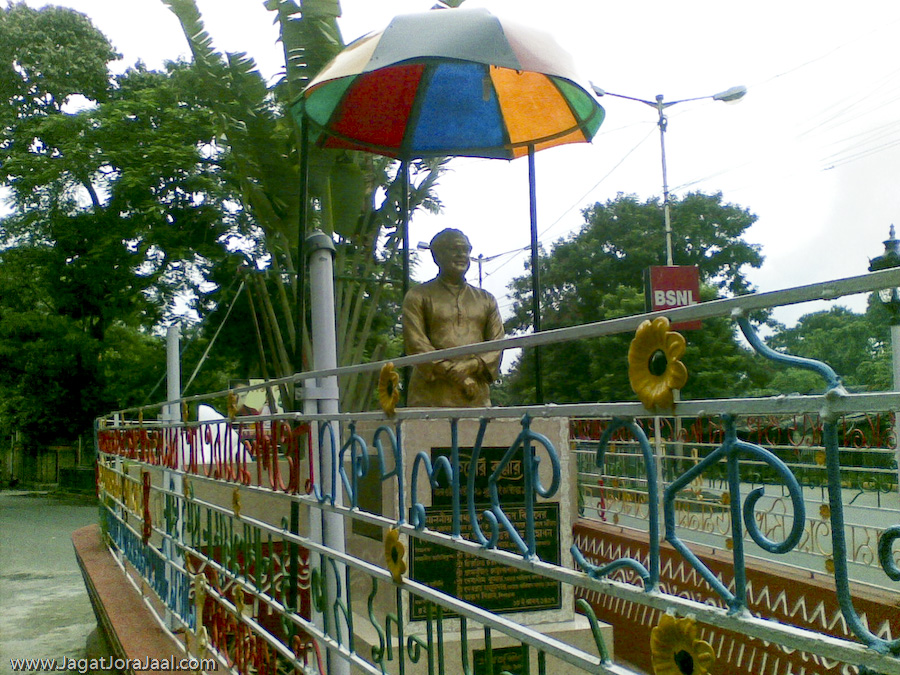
(731, 95)
(728, 96)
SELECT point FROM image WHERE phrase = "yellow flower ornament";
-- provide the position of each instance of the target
(675, 648)
(388, 389)
(654, 366)
(394, 551)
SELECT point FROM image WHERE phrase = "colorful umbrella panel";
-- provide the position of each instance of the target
(460, 85)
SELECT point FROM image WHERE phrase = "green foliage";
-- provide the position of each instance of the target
(597, 274)
(132, 365)
(355, 197)
(118, 202)
(48, 57)
(856, 346)
(49, 379)
(129, 193)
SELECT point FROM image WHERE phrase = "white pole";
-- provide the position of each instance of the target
(320, 249)
(173, 372)
(172, 479)
(663, 123)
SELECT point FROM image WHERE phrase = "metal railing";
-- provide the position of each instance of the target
(616, 493)
(229, 526)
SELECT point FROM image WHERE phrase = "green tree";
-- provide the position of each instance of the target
(597, 274)
(856, 346)
(48, 58)
(117, 203)
(355, 197)
(128, 193)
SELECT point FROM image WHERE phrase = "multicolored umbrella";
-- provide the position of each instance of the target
(451, 82)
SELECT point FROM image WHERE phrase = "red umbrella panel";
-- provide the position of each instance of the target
(456, 82)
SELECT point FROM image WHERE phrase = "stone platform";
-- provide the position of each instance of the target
(129, 627)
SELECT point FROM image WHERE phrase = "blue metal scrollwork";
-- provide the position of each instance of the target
(835, 497)
(394, 439)
(321, 495)
(731, 450)
(650, 578)
(823, 369)
(839, 546)
(533, 487)
(433, 472)
(359, 465)
(525, 446)
(885, 544)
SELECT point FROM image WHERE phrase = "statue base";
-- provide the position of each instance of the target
(506, 652)
(519, 596)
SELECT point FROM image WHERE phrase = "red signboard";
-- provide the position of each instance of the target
(673, 286)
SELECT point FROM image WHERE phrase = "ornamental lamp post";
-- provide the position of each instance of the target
(729, 95)
(890, 298)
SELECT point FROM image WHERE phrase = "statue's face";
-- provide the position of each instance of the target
(452, 256)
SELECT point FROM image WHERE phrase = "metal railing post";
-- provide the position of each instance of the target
(320, 249)
(172, 478)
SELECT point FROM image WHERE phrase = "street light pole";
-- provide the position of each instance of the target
(660, 104)
(663, 122)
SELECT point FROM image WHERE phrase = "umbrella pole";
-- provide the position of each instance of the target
(535, 278)
(404, 225)
(404, 221)
(302, 227)
(299, 318)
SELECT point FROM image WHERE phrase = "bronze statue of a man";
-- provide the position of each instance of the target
(447, 312)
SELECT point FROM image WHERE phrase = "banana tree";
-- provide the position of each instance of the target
(355, 197)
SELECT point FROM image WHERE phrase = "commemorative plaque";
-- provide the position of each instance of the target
(526, 598)
(486, 583)
(503, 659)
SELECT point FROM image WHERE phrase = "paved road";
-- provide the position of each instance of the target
(44, 608)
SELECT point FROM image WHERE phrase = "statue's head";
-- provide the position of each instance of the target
(451, 249)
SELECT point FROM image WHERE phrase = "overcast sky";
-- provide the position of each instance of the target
(813, 149)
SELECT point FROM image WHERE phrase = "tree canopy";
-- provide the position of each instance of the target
(119, 202)
(597, 274)
(862, 361)
(131, 195)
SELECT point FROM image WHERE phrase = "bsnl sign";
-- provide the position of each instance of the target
(668, 287)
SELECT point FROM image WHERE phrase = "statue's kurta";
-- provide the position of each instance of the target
(440, 315)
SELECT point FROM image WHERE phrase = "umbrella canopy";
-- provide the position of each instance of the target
(453, 82)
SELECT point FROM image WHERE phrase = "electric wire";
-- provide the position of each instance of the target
(188, 343)
(215, 336)
(834, 120)
(847, 110)
(574, 205)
